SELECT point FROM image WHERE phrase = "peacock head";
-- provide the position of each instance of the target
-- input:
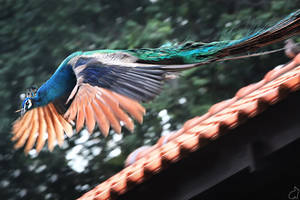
(27, 105)
(28, 102)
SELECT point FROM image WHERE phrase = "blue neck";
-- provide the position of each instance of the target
(60, 83)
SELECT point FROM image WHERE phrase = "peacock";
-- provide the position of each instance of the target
(106, 87)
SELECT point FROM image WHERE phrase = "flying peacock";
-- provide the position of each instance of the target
(106, 87)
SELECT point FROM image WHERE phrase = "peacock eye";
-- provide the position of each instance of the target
(28, 103)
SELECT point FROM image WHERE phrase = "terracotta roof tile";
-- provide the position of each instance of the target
(170, 151)
(140, 152)
(248, 102)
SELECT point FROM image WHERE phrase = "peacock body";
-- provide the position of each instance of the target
(107, 86)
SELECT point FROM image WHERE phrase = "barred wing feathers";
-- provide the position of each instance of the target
(109, 93)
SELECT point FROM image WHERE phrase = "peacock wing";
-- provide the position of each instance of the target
(38, 125)
(109, 91)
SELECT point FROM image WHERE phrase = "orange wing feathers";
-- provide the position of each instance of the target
(37, 125)
(90, 105)
(94, 104)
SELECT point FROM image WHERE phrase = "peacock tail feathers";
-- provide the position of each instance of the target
(203, 53)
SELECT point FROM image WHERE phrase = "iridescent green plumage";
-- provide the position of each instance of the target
(194, 52)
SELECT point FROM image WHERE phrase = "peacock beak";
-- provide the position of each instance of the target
(18, 110)
(22, 111)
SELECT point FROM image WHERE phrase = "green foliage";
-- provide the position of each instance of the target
(35, 36)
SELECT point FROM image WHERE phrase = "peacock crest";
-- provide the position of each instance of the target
(31, 92)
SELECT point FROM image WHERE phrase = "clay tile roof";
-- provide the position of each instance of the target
(248, 102)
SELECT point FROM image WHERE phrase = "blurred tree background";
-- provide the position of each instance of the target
(36, 35)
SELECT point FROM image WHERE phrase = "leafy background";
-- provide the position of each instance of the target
(36, 35)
